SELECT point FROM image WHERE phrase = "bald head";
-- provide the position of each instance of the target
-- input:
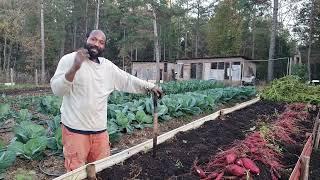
(95, 44)
(97, 32)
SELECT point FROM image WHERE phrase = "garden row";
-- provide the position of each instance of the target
(253, 142)
(34, 136)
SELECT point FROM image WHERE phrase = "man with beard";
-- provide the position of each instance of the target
(85, 80)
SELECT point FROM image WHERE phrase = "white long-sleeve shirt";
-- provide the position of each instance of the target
(85, 98)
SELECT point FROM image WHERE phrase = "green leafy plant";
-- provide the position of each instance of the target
(124, 122)
(142, 120)
(32, 149)
(55, 134)
(300, 70)
(50, 105)
(25, 175)
(291, 89)
(2, 144)
(24, 115)
(27, 130)
(4, 111)
(113, 131)
(7, 158)
(55, 142)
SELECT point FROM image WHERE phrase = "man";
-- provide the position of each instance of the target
(85, 80)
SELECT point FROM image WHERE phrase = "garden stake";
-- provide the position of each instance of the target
(91, 172)
(155, 123)
(316, 145)
(315, 127)
(305, 160)
(317, 137)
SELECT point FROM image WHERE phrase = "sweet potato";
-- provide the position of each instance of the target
(231, 157)
(219, 177)
(239, 162)
(200, 172)
(212, 175)
(235, 170)
(249, 164)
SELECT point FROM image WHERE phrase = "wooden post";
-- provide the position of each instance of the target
(290, 65)
(91, 172)
(230, 72)
(36, 77)
(11, 76)
(316, 144)
(242, 72)
(305, 160)
(155, 124)
(315, 127)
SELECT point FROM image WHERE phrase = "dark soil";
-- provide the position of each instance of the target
(291, 152)
(26, 91)
(176, 156)
(314, 168)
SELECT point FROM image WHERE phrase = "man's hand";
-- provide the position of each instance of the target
(157, 91)
(81, 56)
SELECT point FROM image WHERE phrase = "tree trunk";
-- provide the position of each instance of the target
(74, 35)
(43, 74)
(178, 42)
(310, 38)
(164, 50)
(197, 29)
(4, 53)
(136, 54)
(63, 40)
(169, 52)
(0, 64)
(124, 48)
(97, 15)
(159, 36)
(273, 40)
(185, 44)
(131, 53)
(253, 34)
(9, 57)
(86, 17)
(186, 35)
(156, 45)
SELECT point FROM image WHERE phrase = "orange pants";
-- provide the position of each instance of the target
(79, 149)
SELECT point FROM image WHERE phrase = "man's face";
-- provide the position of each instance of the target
(95, 44)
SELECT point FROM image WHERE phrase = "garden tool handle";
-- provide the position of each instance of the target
(155, 123)
(155, 102)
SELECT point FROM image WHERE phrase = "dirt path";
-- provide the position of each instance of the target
(27, 91)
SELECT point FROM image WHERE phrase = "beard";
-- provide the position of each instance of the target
(93, 51)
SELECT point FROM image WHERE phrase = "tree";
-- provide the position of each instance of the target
(97, 14)
(273, 39)
(307, 28)
(43, 72)
(312, 14)
(224, 32)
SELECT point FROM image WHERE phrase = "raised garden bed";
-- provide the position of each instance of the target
(176, 157)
